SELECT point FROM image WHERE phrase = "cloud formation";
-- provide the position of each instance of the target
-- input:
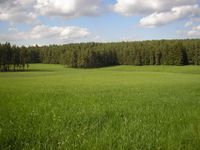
(43, 32)
(152, 13)
(69, 8)
(27, 11)
(17, 11)
(133, 7)
(194, 32)
(158, 12)
(188, 24)
(176, 13)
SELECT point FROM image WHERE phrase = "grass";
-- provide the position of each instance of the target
(122, 107)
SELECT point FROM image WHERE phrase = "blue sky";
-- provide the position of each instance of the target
(64, 21)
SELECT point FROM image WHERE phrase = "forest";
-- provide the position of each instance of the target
(94, 55)
(13, 58)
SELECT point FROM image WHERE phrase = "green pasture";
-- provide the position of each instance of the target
(122, 107)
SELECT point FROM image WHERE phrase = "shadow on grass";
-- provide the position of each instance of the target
(38, 70)
(29, 70)
(90, 68)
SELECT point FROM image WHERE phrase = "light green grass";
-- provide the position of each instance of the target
(122, 107)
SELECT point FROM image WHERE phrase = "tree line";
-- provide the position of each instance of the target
(92, 55)
(13, 58)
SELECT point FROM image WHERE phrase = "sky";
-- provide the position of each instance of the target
(44, 22)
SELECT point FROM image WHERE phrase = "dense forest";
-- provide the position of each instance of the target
(13, 58)
(91, 55)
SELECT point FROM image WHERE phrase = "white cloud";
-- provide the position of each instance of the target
(69, 32)
(69, 8)
(43, 32)
(176, 13)
(133, 7)
(17, 11)
(158, 12)
(12, 29)
(27, 11)
(188, 24)
(194, 32)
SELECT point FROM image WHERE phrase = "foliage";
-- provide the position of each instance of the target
(92, 55)
(13, 57)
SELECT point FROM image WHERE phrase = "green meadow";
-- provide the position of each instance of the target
(122, 107)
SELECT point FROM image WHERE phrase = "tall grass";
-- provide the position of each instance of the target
(123, 107)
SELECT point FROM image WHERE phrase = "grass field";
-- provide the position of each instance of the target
(122, 107)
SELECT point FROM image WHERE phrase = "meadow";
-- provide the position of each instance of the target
(122, 107)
